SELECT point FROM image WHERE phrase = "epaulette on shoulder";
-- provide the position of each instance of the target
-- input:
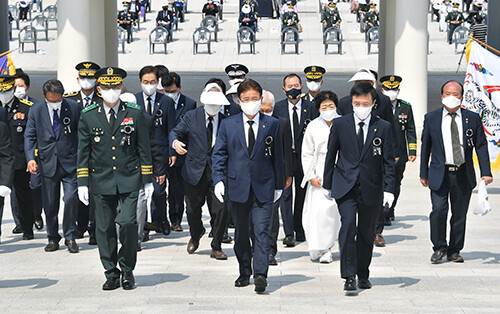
(89, 108)
(26, 101)
(71, 94)
(405, 102)
(132, 105)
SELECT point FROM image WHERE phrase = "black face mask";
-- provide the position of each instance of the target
(294, 93)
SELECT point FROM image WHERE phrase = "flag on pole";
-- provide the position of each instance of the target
(482, 95)
(7, 67)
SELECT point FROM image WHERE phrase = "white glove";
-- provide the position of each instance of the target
(277, 195)
(388, 199)
(219, 191)
(148, 190)
(4, 190)
(327, 194)
(83, 195)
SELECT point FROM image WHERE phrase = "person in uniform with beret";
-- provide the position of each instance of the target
(454, 20)
(236, 73)
(314, 80)
(331, 16)
(114, 157)
(125, 19)
(405, 133)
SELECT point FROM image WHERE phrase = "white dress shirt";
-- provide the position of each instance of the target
(51, 113)
(365, 127)
(153, 97)
(290, 112)
(108, 108)
(446, 130)
(90, 99)
(215, 123)
(255, 126)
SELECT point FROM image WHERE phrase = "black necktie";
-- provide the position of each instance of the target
(112, 118)
(361, 136)
(55, 122)
(87, 101)
(210, 131)
(458, 159)
(251, 137)
(295, 122)
(149, 105)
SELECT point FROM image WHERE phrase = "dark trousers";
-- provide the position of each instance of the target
(128, 28)
(451, 28)
(159, 203)
(23, 200)
(467, 4)
(275, 227)
(70, 199)
(356, 241)
(2, 202)
(38, 203)
(14, 207)
(455, 188)
(400, 170)
(195, 198)
(261, 215)
(175, 195)
(286, 202)
(106, 219)
(23, 13)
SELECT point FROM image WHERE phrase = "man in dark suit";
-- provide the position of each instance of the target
(182, 104)
(86, 96)
(299, 112)
(449, 135)
(195, 137)
(6, 166)
(359, 175)
(267, 108)
(382, 109)
(161, 110)
(165, 18)
(248, 159)
(53, 130)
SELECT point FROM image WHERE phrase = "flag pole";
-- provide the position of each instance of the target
(485, 45)
(5, 53)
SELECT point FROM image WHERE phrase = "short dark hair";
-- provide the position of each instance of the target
(289, 76)
(25, 77)
(325, 95)
(249, 84)
(54, 86)
(219, 82)
(147, 70)
(162, 70)
(479, 18)
(362, 89)
(452, 81)
(171, 78)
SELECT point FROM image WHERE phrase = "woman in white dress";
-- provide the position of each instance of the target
(320, 218)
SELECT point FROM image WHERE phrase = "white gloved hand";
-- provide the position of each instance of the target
(148, 190)
(327, 194)
(277, 195)
(83, 195)
(388, 199)
(219, 191)
(4, 190)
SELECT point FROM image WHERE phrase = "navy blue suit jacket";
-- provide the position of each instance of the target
(51, 148)
(184, 105)
(231, 160)
(432, 145)
(192, 132)
(345, 165)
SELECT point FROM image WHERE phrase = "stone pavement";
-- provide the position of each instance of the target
(171, 280)
(442, 57)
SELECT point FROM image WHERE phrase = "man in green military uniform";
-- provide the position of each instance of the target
(454, 20)
(114, 158)
(405, 131)
(331, 17)
(125, 20)
(314, 80)
(371, 17)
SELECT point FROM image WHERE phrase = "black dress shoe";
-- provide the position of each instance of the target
(28, 236)
(364, 284)
(18, 229)
(39, 224)
(272, 260)
(111, 284)
(350, 284)
(242, 281)
(52, 247)
(260, 283)
(79, 234)
(72, 246)
(226, 239)
(289, 241)
(128, 281)
(455, 257)
(165, 226)
(145, 238)
(387, 221)
(437, 257)
(92, 239)
(210, 234)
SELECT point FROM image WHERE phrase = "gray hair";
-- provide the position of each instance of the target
(54, 86)
(268, 96)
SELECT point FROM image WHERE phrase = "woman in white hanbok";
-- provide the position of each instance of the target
(320, 218)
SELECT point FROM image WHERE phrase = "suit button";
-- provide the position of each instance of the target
(113, 137)
(114, 157)
(114, 167)
(113, 148)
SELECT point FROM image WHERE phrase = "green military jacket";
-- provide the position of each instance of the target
(289, 19)
(331, 18)
(114, 160)
(405, 130)
(455, 16)
(371, 17)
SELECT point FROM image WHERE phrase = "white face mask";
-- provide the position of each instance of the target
(270, 114)
(86, 83)
(451, 102)
(362, 112)
(6, 97)
(172, 95)
(111, 95)
(455, 9)
(159, 86)
(148, 89)
(392, 94)
(313, 85)
(20, 92)
(251, 108)
(235, 81)
(212, 109)
(328, 115)
(54, 105)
